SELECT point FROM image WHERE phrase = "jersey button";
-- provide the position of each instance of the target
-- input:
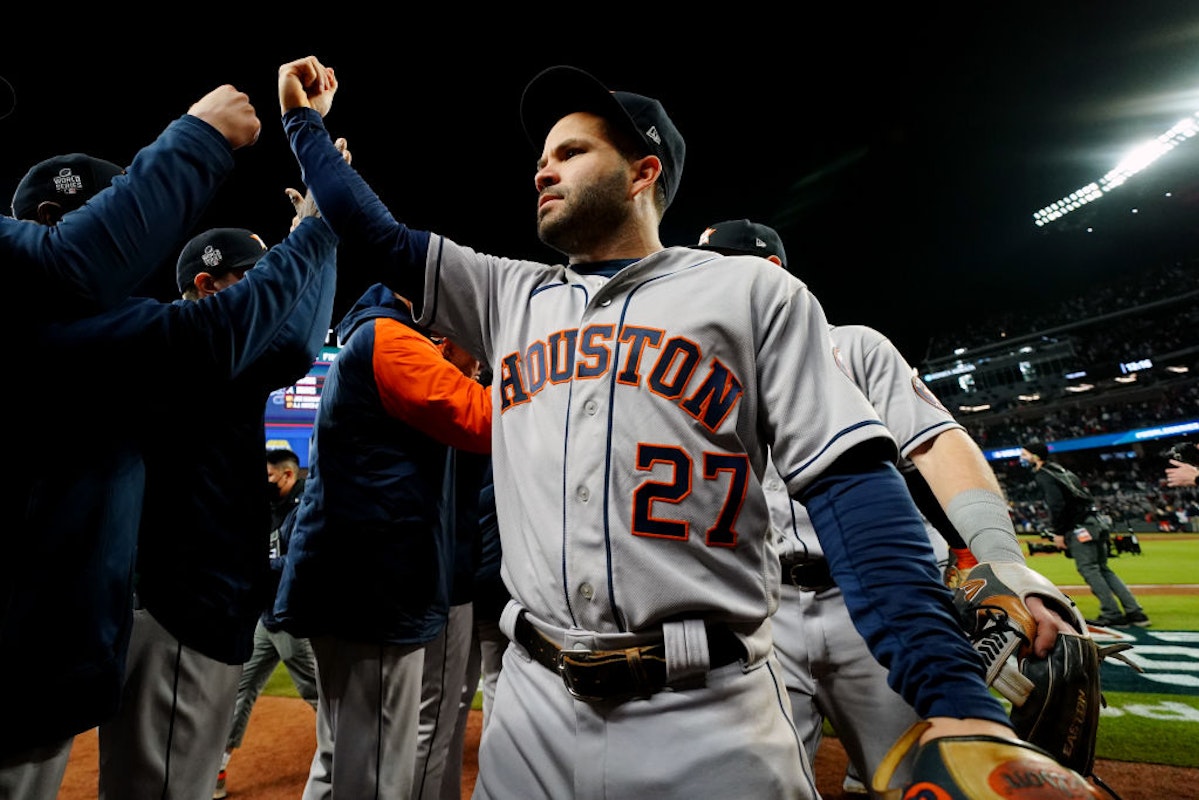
(586, 590)
(591, 407)
(583, 493)
(606, 303)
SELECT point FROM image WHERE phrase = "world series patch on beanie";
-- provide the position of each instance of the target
(217, 251)
(737, 236)
(69, 180)
(558, 91)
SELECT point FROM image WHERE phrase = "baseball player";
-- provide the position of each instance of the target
(828, 668)
(76, 246)
(630, 442)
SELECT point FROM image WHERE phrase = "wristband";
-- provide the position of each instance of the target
(982, 517)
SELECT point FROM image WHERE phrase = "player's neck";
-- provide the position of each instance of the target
(632, 243)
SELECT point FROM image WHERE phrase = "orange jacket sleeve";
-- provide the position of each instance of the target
(418, 385)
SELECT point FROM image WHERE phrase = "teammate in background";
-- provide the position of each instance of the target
(1078, 529)
(367, 576)
(203, 574)
(829, 671)
(632, 436)
(438, 763)
(488, 642)
(66, 590)
(94, 259)
(285, 485)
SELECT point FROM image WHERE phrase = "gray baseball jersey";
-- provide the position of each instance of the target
(906, 406)
(633, 417)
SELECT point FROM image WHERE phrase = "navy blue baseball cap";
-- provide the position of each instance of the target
(216, 252)
(740, 236)
(557, 91)
(69, 180)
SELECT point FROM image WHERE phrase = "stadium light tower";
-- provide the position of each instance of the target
(1136, 161)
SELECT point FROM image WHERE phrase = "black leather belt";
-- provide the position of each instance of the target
(809, 575)
(607, 675)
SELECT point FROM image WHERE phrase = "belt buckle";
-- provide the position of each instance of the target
(568, 678)
(793, 572)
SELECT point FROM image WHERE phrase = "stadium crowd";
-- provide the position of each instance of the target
(1148, 313)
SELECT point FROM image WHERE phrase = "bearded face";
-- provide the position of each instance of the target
(586, 214)
(583, 186)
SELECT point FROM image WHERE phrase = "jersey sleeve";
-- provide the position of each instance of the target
(909, 409)
(812, 408)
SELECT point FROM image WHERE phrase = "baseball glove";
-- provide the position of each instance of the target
(978, 768)
(1056, 699)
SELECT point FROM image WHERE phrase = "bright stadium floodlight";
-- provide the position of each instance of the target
(1136, 161)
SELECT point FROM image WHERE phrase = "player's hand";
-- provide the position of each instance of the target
(305, 204)
(306, 83)
(1049, 624)
(1181, 474)
(1059, 541)
(230, 112)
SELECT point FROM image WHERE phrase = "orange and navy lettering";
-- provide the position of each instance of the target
(672, 371)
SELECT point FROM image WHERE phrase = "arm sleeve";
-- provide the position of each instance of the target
(418, 385)
(893, 590)
(273, 321)
(353, 209)
(98, 254)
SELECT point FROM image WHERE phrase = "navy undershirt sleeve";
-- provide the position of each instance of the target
(880, 556)
(353, 210)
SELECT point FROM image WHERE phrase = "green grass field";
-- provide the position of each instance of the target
(1152, 728)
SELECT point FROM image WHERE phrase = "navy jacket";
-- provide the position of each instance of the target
(68, 559)
(182, 387)
(204, 548)
(283, 520)
(369, 558)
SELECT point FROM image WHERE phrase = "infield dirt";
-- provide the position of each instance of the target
(272, 763)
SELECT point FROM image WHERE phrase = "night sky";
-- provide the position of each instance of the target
(900, 154)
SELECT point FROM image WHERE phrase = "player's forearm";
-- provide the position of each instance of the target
(966, 488)
(953, 463)
(353, 210)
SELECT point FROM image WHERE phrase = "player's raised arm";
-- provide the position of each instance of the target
(306, 83)
(347, 203)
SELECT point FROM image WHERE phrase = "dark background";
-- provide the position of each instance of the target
(901, 153)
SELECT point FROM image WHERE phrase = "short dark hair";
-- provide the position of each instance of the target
(279, 456)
